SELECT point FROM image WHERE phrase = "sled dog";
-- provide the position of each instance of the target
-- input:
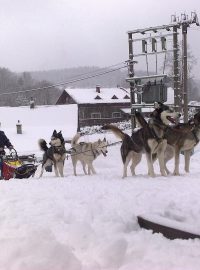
(148, 139)
(86, 153)
(183, 137)
(55, 154)
(180, 137)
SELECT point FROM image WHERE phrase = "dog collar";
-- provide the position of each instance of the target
(59, 149)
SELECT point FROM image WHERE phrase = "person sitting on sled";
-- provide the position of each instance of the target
(4, 141)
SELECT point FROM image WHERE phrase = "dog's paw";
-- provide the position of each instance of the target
(176, 173)
(164, 174)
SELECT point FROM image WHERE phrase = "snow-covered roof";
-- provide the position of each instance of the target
(106, 95)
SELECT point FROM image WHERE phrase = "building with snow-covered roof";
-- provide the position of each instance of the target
(99, 106)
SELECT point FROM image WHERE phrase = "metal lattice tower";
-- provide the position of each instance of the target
(163, 32)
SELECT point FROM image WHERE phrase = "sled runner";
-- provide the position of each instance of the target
(14, 166)
(171, 229)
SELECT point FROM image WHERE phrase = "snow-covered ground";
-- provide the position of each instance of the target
(89, 222)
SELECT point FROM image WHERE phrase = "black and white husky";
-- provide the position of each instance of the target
(55, 154)
(86, 153)
(182, 138)
(149, 140)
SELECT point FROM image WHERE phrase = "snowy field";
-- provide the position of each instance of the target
(89, 222)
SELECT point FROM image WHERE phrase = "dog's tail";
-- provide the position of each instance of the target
(118, 132)
(142, 122)
(43, 145)
(75, 139)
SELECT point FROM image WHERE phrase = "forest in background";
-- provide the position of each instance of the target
(15, 88)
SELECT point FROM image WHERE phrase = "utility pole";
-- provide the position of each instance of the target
(78, 120)
(185, 72)
(177, 92)
(131, 75)
(185, 23)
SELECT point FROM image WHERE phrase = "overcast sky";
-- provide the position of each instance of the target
(51, 34)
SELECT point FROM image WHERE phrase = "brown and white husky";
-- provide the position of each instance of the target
(86, 153)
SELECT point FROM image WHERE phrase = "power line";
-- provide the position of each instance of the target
(86, 73)
(68, 82)
(94, 71)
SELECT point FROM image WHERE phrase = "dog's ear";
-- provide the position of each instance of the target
(54, 133)
(59, 134)
(154, 114)
(104, 139)
(156, 105)
(162, 106)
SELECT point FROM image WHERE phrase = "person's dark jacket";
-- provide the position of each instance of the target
(4, 141)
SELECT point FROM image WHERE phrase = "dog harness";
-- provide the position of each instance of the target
(160, 126)
(59, 149)
(95, 152)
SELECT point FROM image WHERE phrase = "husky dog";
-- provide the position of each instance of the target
(86, 153)
(183, 137)
(55, 154)
(180, 137)
(149, 140)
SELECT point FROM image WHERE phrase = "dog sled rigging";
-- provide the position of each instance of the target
(72, 152)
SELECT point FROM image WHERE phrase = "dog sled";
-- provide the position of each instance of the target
(14, 166)
(171, 229)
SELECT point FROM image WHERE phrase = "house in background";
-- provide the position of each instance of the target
(97, 106)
